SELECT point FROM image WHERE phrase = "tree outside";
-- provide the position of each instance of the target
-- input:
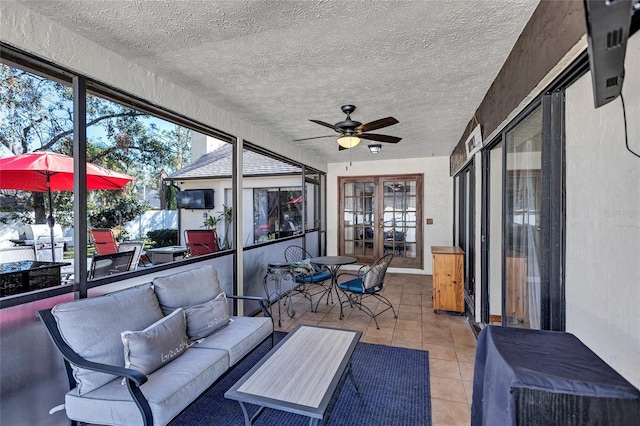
(36, 114)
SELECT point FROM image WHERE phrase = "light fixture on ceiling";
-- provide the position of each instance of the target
(375, 148)
(348, 141)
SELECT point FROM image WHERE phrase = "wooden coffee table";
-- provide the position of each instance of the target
(303, 374)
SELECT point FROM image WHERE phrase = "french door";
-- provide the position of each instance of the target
(380, 215)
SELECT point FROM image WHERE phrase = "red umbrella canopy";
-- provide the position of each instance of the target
(29, 172)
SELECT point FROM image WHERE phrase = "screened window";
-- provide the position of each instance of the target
(277, 213)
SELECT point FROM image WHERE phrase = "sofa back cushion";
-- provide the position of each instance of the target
(186, 289)
(92, 328)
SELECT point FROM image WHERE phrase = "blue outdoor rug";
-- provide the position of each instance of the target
(393, 384)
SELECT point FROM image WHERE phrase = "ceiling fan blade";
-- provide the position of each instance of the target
(378, 124)
(380, 138)
(322, 123)
(341, 148)
(315, 137)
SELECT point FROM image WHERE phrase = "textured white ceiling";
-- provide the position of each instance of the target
(279, 63)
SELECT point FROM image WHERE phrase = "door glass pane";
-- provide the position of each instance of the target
(399, 217)
(311, 205)
(410, 188)
(495, 235)
(348, 190)
(348, 204)
(522, 222)
(358, 218)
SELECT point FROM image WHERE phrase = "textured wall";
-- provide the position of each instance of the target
(437, 198)
(603, 221)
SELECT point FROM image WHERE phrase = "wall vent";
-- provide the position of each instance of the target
(612, 82)
(615, 38)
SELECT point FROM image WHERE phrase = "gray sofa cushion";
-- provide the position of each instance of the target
(204, 319)
(186, 289)
(169, 390)
(92, 328)
(238, 338)
(160, 343)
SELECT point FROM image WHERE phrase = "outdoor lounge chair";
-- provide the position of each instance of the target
(108, 264)
(105, 243)
(307, 275)
(201, 241)
(367, 282)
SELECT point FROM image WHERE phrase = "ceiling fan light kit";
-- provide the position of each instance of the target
(375, 148)
(352, 132)
(348, 141)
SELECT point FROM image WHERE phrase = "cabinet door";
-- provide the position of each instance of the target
(448, 282)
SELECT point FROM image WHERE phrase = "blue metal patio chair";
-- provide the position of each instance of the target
(368, 282)
(308, 277)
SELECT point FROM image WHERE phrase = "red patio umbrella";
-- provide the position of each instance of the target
(45, 171)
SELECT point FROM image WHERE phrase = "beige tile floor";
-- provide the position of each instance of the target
(448, 338)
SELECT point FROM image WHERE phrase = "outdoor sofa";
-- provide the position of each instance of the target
(142, 355)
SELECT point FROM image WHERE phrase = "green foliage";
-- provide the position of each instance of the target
(211, 222)
(37, 114)
(170, 197)
(117, 213)
(163, 237)
(227, 215)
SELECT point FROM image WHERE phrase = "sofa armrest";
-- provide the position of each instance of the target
(263, 301)
(134, 377)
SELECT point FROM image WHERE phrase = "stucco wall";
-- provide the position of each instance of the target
(437, 198)
(603, 221)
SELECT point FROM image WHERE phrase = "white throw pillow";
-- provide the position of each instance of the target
(156, 345)
(204, 319)
(373, 277)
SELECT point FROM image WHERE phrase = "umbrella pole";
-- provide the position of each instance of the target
(51, 222)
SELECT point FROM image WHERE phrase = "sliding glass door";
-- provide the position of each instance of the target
(511, 232)
(522, 224)
(464, 187)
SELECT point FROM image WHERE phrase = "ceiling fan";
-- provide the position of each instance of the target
(351, 131)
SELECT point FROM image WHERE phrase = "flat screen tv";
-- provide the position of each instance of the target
(195, 199)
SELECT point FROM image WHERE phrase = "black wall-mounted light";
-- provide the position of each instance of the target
(375, 148)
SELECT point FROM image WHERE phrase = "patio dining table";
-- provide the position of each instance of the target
(333, 263)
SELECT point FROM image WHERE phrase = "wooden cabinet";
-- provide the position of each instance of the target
(448, 279)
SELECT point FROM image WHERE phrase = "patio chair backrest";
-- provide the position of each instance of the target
(201, 241)
(108, 264)
(136, 247)
(296, 254)
(374, 276)
(104, 241)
